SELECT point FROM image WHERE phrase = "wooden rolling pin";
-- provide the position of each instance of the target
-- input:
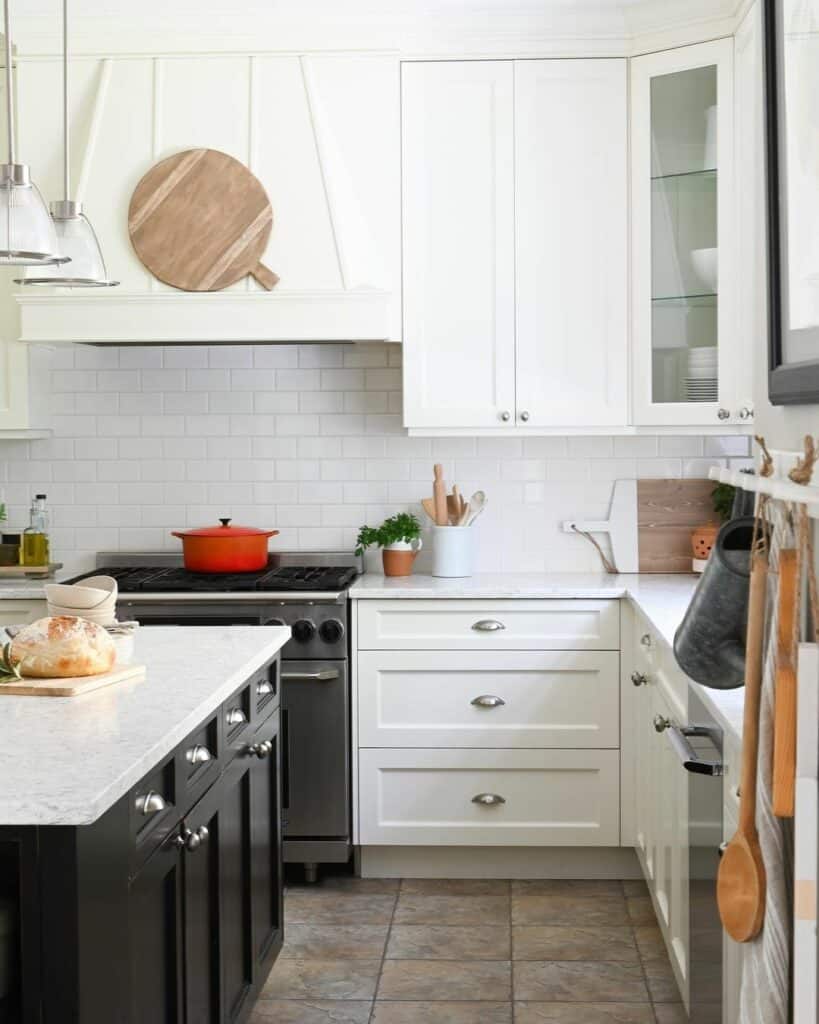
(784, 759)
(741, 878)
(439, 496)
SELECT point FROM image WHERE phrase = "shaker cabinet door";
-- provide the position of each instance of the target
(459, 248)
(571, 242)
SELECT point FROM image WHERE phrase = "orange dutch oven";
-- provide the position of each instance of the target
(224, 548)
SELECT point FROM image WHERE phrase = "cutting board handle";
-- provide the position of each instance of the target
(264, 276)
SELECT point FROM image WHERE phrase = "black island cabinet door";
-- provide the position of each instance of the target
(268, 900)
(155, 907)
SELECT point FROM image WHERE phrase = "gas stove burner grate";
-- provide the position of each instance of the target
(297, 579)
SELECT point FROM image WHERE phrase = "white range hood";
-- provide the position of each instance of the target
(321, 132)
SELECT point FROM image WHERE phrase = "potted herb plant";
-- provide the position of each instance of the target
(704, 537)
(399, 537)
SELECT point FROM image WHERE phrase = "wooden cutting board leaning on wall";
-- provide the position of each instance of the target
(667, 512)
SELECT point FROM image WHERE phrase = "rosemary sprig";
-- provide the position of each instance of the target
(9, 668)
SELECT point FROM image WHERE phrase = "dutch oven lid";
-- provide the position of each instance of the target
(225, 530)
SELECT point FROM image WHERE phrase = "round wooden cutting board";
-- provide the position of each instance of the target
(200, 221)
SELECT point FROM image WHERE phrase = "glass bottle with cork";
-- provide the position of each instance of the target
(35, 536)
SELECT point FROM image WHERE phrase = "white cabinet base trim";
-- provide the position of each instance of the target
(496, 862)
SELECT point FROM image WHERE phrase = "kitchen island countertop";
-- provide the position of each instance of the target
(66, 760)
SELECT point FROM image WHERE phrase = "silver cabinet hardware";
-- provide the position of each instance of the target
(722, 848)
(236, 716)
(260, 750)
(678, 737)
(191, 839)
(150, 803)
(661, 723)
(646, 640)
(488, 799)
(746, 413)
(639, 678)
(487, 700)
(198, 754)
(506, 415)
(323, 676)
(487, 626)
(524, 416)
(264, 689)
(723, 414)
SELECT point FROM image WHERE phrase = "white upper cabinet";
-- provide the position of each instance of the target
(459, 245)
(515, 244)
(691, 362)
(571, 242)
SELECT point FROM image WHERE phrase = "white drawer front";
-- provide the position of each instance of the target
(453, 699)
(550, 797)
(488, 626)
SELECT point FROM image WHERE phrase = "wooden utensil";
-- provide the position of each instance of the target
(439, 496)
(741, 878)
(784, 759)
(70, 686)
(200, 221)
(455, 505)
(428, 506)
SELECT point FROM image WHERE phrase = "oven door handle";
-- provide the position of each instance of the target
(322, 676)
(689, 759)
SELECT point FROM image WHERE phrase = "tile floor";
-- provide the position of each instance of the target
(433, 951)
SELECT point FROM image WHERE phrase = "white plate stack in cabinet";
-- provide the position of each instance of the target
(488, 723)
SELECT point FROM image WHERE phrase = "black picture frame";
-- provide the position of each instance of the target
(788, 383)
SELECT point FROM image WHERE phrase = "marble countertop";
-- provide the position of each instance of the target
(66, 760)
(661, 599)
(25, 589)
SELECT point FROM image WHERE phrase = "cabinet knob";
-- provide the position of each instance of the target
(645, 640)
(150, 803)
(639, 678)
(191, 839)
(487, 700)
(487, 626)
(723, 414)
(236, 716)
(260, 750)
(198, 754)
(746, 413)
(524, 416)
(506, 415)
(661, 723)
(488, 799)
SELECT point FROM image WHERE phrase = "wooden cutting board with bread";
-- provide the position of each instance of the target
(71, 686)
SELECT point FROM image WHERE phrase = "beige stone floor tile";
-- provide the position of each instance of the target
(449, 942)
(650, 942)
(434, 980)
(334, 941)
(559, 909)
(592, 888)
(661, 981)
(322, 1011)
(451, 909)
(584, 1013)
(327, 907)
(322, 979)
(545, 942)
(455, 886)
(441, 1013)
(346, 883)
(579, 982)
(670, 1013)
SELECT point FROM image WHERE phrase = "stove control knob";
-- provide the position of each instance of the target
(275, 622)
(331, 631)
(304, 630)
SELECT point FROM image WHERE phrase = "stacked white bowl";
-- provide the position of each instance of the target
(701, 383)
(95, 599)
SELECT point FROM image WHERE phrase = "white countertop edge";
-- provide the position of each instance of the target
(88, 811)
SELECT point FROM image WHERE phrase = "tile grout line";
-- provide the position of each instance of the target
(639, 953)
(384, 950)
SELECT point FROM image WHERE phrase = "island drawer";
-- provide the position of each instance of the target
(199, 760)
(528, 699)
(154, 808)
(479, 625)
(489, 797)
(266, 690)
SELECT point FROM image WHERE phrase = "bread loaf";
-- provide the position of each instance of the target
(63, 646)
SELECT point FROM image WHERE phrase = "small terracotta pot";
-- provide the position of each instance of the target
(703, 539)
(398, 558)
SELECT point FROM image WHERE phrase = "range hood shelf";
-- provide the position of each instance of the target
(173, 318)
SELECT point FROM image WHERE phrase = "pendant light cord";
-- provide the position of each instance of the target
(66, 152)
(9, 92)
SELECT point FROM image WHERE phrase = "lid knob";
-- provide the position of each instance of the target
(225, 522)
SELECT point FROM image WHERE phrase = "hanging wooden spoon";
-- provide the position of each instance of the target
(741, 878)
(784, 759)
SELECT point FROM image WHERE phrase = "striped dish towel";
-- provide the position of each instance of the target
(765, 996)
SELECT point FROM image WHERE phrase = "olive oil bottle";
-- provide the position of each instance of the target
(35, 536)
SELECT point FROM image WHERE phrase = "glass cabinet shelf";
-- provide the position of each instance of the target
(706, 299)
(708, 173)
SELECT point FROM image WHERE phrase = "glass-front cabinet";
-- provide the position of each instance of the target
(688, 360)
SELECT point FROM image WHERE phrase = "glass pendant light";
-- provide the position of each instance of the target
(27, 236)
(76, 241)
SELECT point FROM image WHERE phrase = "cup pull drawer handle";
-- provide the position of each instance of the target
(264, 689)
(236, 716)
(150, 803)
(488, 799)
(487, 700)
(487, 626)
(198, 754)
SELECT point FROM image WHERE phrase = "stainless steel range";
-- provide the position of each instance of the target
(307, 592)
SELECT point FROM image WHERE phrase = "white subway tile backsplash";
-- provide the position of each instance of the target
(304, 438)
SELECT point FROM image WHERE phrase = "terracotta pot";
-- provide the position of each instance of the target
(398, 558)
(703, 539)
(225, 548)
